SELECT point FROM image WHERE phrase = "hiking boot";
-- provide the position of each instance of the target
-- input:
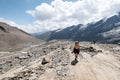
(75, 59)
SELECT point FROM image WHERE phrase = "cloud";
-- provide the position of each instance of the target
(12, 23)
(42, 12)
(81, 10)
(30, 28)
(61, 13)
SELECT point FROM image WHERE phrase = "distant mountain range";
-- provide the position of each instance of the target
(13, 39)
(106, 30)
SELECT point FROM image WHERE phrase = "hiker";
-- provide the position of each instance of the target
(76, 49)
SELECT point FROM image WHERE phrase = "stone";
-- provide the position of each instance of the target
(44, 61)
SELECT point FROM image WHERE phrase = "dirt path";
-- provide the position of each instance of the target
(100, 67)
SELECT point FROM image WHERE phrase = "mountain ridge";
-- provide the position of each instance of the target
(90, 32)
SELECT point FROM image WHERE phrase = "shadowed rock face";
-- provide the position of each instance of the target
(2, 29)
(12, 38)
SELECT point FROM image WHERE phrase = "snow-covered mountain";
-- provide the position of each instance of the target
(104, 30)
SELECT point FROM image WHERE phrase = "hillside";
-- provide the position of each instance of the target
(13, 39)
(96, 62)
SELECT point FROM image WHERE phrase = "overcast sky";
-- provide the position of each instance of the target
(42, 15)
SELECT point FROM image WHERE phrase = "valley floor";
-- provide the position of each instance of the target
(101, 62)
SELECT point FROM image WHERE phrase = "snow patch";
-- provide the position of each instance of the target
(72, 28)
(116, 24)
(114, 32)
(83, 27)
(58, 30)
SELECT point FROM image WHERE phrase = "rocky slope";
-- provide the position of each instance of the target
(54, 61)
(105, 30)
(13, 39)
